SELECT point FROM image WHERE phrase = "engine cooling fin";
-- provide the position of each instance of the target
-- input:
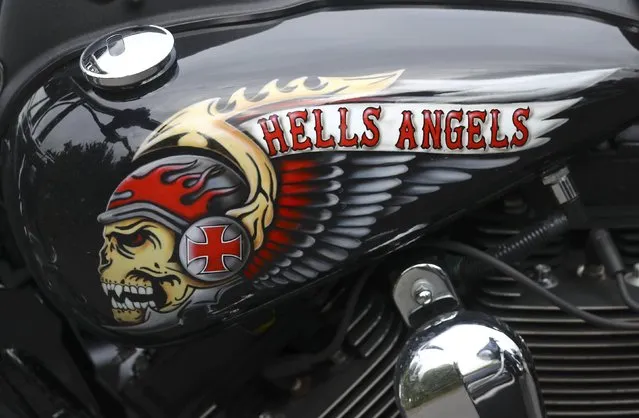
(583, 371)
(361, 384)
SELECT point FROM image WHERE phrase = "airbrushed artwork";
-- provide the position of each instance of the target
(317, 209)
(436, 130)
(284, 186)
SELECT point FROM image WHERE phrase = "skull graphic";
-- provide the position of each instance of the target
(140, 268)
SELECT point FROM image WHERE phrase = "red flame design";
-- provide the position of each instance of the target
(183, 196)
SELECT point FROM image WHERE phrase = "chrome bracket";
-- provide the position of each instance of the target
(420, 287)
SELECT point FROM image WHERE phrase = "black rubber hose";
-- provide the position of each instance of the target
(604, 246)
(520, 277)
(516, 247)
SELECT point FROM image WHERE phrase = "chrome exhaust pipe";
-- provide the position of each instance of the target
(466, 365)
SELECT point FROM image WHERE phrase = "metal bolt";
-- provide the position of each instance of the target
(555, 176)
(544, 277)
(543, 271)
(422, 294)
(561, 185)
(632, 278)
(591, 271)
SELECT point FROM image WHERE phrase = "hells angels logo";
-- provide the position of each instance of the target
(285, 186)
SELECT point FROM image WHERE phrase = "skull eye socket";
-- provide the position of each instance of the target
(134, 240)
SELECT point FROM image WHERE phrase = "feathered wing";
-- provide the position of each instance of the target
(329, 204)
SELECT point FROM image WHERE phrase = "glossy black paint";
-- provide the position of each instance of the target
(59, 40)
(71, 145)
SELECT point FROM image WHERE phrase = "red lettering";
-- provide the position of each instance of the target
(271, 135)
(454, 142)
(297, 130)
(344, 140)
(432, 131)
(474, 129)
(371, 126)
(519, 117)
(320, 141)
(406, 131)
(494, 131)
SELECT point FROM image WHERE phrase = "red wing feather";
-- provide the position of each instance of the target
(279, 242)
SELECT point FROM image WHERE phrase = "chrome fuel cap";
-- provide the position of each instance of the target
(128, 57)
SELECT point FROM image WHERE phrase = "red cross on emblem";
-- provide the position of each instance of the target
(213, 249)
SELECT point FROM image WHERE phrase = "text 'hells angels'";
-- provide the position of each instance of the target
(395, 127)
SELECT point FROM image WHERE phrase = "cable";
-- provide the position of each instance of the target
(520, 277)
(604, 246)
(516, 247)
(303, 362)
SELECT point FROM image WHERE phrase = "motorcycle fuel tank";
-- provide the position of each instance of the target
(271, 156)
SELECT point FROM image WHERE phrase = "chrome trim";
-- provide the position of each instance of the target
(466, 365)
(417, 280)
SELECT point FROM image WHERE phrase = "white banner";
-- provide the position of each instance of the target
(377, 127)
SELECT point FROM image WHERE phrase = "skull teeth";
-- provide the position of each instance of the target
(118, 289)
(127, 297)
(119, 305)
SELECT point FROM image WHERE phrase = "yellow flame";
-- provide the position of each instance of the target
(194, 118)
(203, 125)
